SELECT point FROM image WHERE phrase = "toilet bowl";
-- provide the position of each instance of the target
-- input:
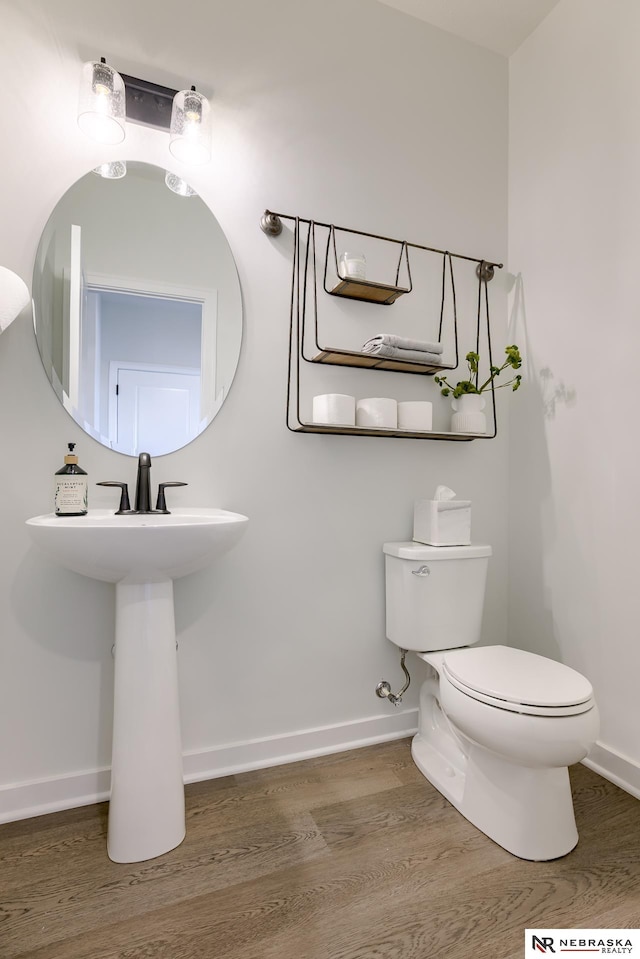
(497, 726)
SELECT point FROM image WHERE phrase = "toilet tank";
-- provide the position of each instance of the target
(434, 594)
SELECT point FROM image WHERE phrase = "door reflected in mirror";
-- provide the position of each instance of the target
(137, 309)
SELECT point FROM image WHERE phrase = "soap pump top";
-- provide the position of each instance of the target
(71, 462)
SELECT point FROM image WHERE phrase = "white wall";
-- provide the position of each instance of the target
(574, 241)
(286, 633)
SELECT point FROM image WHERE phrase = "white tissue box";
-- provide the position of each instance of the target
(442, 522)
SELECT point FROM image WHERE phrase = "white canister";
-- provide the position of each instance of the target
(353, 266)
(415, 415)
(334, 409)
(379, 412)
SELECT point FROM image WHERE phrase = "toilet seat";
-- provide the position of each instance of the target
(518, 681)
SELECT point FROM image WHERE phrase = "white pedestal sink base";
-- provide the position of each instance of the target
(142, 554)
(146, 813)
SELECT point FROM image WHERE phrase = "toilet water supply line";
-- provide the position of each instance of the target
(383, 689)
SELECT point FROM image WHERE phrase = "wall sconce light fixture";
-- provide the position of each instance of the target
(101, 105)
(14, 296)
(190, 130)
(108, 99)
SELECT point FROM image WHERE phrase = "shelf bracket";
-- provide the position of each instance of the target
(485, 271)
(270, 223)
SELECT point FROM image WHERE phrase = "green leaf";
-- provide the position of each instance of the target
(471, 385)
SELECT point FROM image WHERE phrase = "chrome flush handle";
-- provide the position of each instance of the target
(422, 571)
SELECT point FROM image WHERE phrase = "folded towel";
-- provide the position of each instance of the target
(410, 356)
(401, 342)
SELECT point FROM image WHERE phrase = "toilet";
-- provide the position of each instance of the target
(497, 726)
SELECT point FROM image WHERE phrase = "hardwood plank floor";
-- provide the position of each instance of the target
(352, 856)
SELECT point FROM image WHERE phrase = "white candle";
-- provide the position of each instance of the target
(353, 265)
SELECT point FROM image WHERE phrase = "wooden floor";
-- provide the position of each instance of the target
(352, 856)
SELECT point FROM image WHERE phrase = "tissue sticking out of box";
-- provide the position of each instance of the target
(443, 520)
(444, 493)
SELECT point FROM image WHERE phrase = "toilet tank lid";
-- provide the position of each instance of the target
(419, 551)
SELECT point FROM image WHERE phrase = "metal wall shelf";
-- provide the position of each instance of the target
(356, 289)
(368, 291)
(403, 434)
(371, 361)
(377, 293)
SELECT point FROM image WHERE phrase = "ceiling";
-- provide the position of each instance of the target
(499, 25)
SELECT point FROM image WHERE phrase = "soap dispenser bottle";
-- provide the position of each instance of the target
(71, 487)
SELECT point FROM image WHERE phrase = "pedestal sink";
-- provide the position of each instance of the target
(142, 555)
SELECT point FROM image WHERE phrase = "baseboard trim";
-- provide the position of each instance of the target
(618, 769)
(43, 796)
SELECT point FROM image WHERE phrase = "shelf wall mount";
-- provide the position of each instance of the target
(271, 224)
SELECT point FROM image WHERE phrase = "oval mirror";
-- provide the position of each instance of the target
(137, 311)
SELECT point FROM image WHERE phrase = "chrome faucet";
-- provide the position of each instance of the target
(142, 502)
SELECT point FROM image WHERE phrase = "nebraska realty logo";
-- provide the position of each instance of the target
(605, 942)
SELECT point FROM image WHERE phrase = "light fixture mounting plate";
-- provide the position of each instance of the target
(148, 103)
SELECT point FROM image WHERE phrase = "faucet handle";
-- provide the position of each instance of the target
(125, 506)
(161, 505)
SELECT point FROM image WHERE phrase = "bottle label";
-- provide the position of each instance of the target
(71, 494)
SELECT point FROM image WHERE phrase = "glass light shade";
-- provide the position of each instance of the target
(101, 105)
(112, 171)
(178, 185)
(190, 131)
(14, 296)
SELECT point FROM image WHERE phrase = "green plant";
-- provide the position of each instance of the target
(513, 361)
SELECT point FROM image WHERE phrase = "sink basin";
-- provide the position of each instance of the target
(145, 547)
(142, 555)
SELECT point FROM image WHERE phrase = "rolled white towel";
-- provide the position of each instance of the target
(409, 356)
(401, 343)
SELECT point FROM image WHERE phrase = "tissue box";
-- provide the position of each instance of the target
(442, 522)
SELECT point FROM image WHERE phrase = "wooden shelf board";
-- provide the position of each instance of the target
(333, 357)
(407, 434)
(366, 290)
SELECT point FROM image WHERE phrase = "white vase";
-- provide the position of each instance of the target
(468, 416)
